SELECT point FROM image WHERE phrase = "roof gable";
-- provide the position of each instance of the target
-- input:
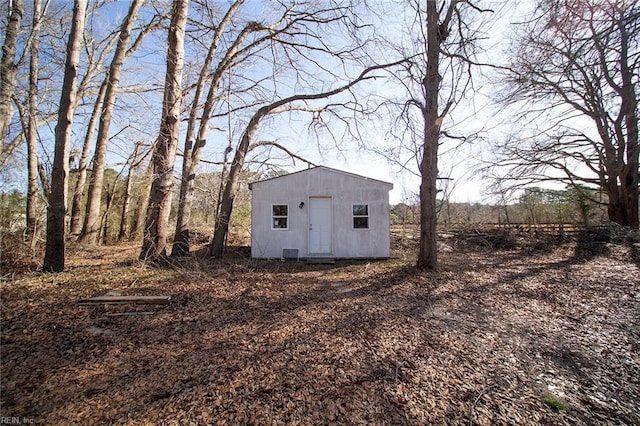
(324, 169)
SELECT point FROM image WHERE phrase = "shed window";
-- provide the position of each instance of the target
(280, 216)
(360, 216)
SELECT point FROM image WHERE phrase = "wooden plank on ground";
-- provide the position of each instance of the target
(116, 300)
(126, 314)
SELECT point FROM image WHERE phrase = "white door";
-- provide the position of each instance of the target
(319, 225)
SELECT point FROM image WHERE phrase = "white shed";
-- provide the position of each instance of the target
(320, 212)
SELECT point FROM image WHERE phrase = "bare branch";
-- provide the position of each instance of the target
(281, 148)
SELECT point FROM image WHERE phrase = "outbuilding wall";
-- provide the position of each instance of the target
(344, 189)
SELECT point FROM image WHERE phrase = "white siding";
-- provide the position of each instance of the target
(345, 190)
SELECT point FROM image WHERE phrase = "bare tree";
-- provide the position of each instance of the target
(91, 227)
(55, 246)
(164, 150)
(436, 77)
(32, 126)
(575, 79)
(8, 70)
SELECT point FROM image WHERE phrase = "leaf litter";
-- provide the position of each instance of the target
(485, 340)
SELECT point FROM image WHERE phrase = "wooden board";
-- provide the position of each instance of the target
(126, 314)
(111, 299)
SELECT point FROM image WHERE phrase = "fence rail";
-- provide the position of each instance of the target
(524, 227)
(545, 227)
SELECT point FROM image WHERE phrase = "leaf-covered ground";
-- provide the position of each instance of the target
(550, 336)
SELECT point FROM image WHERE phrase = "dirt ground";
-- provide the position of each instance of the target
(529, 335)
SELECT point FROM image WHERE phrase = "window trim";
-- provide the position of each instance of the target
(274, 216)
(354, 216)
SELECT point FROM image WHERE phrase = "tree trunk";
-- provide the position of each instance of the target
(629, 112)
(55, 245)
(622, 184)
(141, 207)
(8, 69)
(164, 151)
(231, 187)
(76, 206)
(104, 220)
(126, 200)
(181, 244)
(32, 128)
(44, 180)
(91, 225)
(124, 213)
(428, 252)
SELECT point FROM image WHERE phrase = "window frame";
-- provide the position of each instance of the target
(274, 216)
(355, 216)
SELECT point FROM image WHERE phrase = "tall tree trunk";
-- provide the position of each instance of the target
(428, 252)
(629, 114)
(32, 128)
(76, 205)
(181, 243)
(164, 151)
(55, 245)
(91, 225)
(622, 180)
(8, 69)
(76, 222)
